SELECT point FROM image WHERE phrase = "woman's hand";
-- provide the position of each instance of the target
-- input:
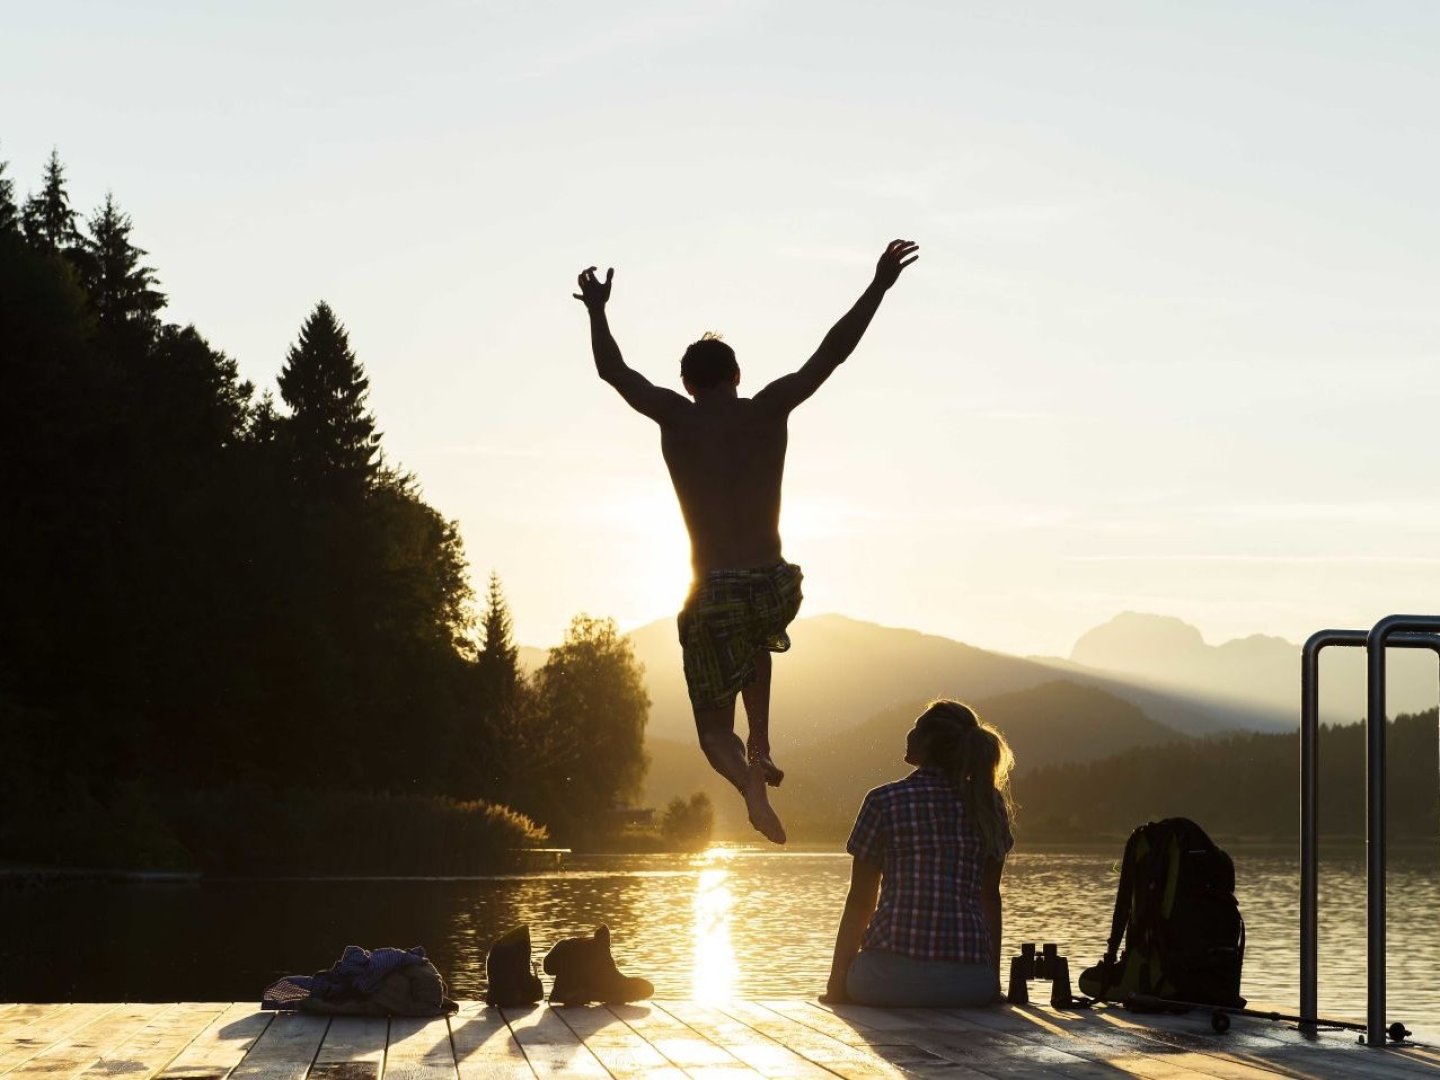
(859, 906)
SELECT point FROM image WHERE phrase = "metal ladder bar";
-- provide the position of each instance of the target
(1394, 631)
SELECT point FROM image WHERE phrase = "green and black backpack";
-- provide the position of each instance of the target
(1176, 911)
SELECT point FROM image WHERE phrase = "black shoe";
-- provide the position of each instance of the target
(510, 976)
(585, 971)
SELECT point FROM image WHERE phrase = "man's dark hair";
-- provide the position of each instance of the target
(708, 362)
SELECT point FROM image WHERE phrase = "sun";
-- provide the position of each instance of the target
(653, 550)
(650, 550)
(804, 519)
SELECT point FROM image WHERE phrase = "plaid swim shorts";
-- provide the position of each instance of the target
(728, 618)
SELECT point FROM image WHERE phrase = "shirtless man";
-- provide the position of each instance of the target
(726, 456)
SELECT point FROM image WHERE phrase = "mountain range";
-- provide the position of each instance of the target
(1247, 676)
(848, 690)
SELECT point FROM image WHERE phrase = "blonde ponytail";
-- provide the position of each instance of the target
(978, 761)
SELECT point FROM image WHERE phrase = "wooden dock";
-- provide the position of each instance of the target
(669, 1039)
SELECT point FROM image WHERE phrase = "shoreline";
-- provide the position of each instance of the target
(531, 860)
(37, 875)
(28, 875)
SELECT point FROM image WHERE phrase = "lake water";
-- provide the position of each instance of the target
(734, 921)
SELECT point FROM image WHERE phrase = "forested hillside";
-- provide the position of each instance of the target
(233, 631)
(1240, 786)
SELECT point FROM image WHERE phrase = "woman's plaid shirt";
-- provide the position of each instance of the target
(930, 856)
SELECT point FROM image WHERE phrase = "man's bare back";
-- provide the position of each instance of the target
(726, 456)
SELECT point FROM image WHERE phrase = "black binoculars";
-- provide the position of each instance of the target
(1046, 964)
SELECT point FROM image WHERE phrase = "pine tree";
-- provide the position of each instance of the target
(122, 291)
(9, 212)
(48, 219)
(332, 438)
(499, 660)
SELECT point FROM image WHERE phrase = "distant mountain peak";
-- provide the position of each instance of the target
(1135, 640)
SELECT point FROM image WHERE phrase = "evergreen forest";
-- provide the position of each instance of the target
(234, 635)
(1240, 786)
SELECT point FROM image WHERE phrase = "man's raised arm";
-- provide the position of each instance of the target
(639, 392)
(790, 390)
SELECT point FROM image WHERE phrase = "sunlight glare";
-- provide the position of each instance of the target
(655, 549)
(714, 964)
(804, 518)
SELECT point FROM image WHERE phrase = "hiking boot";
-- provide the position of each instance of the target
(585, 971)
(509, 973)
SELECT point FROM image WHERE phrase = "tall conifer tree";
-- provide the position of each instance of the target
(499, 659)
(48, 218)
(122, 291)
(332, 436)
(9, 212)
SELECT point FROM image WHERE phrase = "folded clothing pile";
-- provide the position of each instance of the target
(383, 982)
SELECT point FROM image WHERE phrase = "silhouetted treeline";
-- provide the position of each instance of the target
(1239, 786)
(205, 588)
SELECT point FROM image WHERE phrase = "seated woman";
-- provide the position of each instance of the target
(931, 848)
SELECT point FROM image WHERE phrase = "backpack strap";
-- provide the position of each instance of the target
(1123, 898)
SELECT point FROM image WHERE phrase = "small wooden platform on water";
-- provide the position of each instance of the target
(670, 1039)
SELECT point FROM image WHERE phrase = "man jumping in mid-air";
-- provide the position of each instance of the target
(726, 456)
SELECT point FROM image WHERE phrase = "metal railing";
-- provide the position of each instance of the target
(1391, 632)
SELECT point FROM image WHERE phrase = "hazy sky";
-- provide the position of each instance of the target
(1170, 345)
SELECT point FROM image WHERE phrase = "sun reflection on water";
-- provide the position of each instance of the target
(714, 966)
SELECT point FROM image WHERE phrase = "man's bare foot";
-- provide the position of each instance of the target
(773, 773)
(757, 804)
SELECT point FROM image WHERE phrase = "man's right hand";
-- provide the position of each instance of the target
(594, 292)
(898, 255)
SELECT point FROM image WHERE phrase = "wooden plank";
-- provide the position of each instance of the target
(829, 1053)
(1070, 1033)
(1167, 1034)
(1259, 1034)
(420, 1049)
(623, 1052)
(46, 1029)
(19, 1016)
(1334, 1054)
(154, 1046)
(1077, 1033)
(1337, 1051)
(220, 1046)
(861, 1026)
(354, 1039)
(681, 1045)
(285, 1050)
(1159, 1047)
(80, 1048)
(1424, 1055)
(484, 1047)
(967, 1047)
(551, 1048)
(353, 1049)
(787, 1038)
(1202, 1053)
(952, 1038)
(1023, 1040)
(761, 1053)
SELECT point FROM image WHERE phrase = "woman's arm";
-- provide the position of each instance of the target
(859, 906)
(990, 907)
